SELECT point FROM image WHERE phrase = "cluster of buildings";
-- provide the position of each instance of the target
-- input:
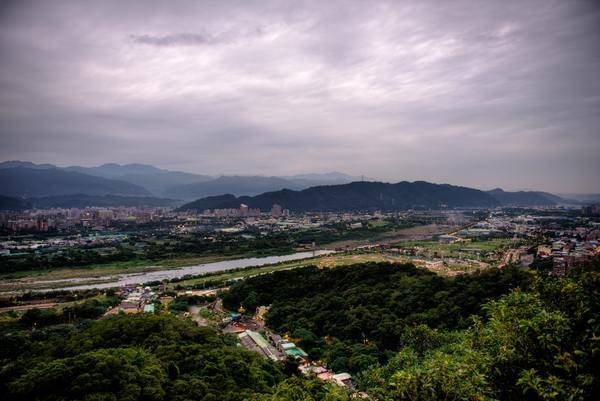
(254, 341)
(591, 210)
(246, 211)
(564, 238)
(26, 246)
(136, 300)
(341, 379)
(254, 336)
(101, 219)
(277, 348)
(242, 211)
(66, 219)
(567, 251)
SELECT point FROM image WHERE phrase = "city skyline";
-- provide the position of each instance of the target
(480, 94)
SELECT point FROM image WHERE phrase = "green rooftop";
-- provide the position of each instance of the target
(296, 352)
(258, 339)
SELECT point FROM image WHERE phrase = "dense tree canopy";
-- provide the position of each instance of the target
(351, 316)
(467, 338)
(130, 358)
(536, 345)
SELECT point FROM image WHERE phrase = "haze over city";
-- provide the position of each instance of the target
(483, 94)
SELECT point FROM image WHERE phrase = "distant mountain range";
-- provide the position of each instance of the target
(156, 181)
(584, 198)
(22, 182)
(18, 163)
(181, 185)
(331, 178)
(247, 185)
(83, 201)
(45, 185)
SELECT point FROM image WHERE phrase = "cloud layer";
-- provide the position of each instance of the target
(477, 93)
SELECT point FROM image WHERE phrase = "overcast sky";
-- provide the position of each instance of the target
(477, 93)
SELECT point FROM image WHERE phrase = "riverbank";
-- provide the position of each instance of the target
(156, 273)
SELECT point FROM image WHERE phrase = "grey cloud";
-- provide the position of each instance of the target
(179, 39)
(480, 93)
(198, 39)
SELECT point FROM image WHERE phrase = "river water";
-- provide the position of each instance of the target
(119, 280)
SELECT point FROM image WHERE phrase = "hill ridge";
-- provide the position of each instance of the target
(356, 195)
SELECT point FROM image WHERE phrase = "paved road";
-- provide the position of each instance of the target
(28, 307)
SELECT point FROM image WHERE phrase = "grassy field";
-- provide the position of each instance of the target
(320, 261)
(391, 236)
(490, 245)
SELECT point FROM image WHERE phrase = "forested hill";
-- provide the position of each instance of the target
(357, 196)
(409, 334)
(527, 198)
(366, 301)
(31, 182)
(140, 358)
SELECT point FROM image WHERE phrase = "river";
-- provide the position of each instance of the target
(119, 280)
